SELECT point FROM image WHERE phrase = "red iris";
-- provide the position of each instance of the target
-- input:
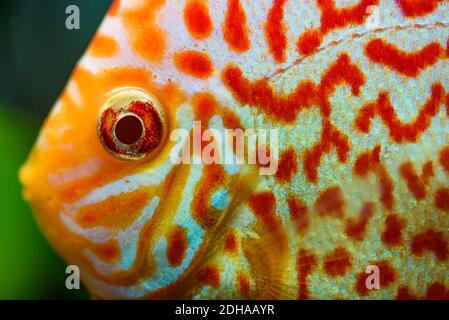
(132, 131)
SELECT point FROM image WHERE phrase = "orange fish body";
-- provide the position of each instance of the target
(358, 93)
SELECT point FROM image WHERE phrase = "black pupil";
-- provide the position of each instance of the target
(129, 129)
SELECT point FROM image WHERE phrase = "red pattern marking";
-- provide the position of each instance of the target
(243, 283)
(430, 240)
(408, 64)
(213, 177)
(356, 228)
(416, 184)
(417, 8)
(330, 137)
(370, 161)
(392, 235)
(399, 131)
(177, 246)
(330, 203)
(231, 245)
(205, 106)
(286, 108)
(367, 161)
(197, 19)
(298, 213)
(442, 199)
(209, 276)
(444, 159)
(386, 188)
(387, 276)
(435, 291)
(231, 120)
(447, 50)
(194, 63)
(109, 252)
(287, 166)
(274, 31)
(427, 172)
(263, 205)
(309, 41)
(341, 72)
(404, 294)
(260, 95)
(306, 262)
(235, 32)
(338, 262)
(333, 18)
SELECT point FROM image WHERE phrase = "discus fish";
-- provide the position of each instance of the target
(358, 206)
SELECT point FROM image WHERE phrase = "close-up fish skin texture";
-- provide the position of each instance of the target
(361, 105)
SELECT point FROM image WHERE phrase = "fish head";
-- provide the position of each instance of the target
(105, 178)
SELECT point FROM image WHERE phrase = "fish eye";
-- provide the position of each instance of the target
(130, 125)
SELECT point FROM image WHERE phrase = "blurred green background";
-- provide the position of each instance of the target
(37, 54)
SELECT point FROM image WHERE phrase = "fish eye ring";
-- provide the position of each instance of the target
(131, 124)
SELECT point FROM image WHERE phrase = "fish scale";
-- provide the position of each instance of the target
(362, 179)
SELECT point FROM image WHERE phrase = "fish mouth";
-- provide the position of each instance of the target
(43, 202)
(35, 190)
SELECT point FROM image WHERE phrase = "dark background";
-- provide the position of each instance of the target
(37, 54)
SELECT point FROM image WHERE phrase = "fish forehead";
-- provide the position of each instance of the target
(272, 48)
